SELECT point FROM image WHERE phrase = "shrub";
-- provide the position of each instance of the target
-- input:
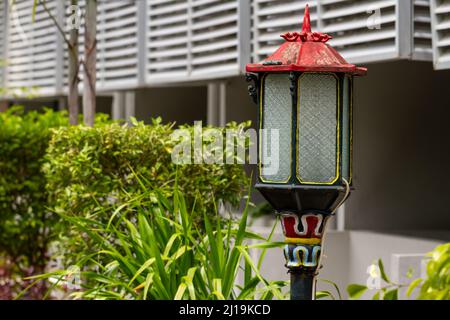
(91, 167)
(24, 219)
(88, 169)
(161, 254)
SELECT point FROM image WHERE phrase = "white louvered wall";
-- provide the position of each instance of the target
(32, 52)
(117, 49)
(155, 42)
(363, 30)
(273, 18)
(214, 38)
(2, 41)
(195, 39)
(440, 14)
(167, 39)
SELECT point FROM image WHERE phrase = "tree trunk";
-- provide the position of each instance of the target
(90, 58)
(74, 67)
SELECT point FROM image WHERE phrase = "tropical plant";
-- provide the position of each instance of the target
(436, 285)
(152, 249)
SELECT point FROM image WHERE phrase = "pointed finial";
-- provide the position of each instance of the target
(306, 21)
(306, 34)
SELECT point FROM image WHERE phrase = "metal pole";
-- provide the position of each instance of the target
(303, 285)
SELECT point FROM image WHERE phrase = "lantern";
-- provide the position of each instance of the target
(304, 92)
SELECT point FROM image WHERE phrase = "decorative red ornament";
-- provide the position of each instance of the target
(306, 51)
(306, 34)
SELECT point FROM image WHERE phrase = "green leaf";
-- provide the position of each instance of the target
(412, 286)
(335, 286)
(391, 295)
(382, 272)
(324, 294)
(355, 291)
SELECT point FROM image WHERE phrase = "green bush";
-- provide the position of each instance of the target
(161, 254)
(88, 169)
(25, 220)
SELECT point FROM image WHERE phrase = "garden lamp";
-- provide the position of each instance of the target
(304, 92)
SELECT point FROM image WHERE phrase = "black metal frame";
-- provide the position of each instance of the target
(254, 92)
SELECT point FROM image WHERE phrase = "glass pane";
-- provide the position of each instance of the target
(317, 129)
(276, 138)
(346, 130)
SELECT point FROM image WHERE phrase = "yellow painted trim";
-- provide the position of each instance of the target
(338, 128)
(261, 99)
(310, 241)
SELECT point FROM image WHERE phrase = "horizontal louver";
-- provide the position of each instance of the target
(167, 40)
(362, 31)
(214, 37)
(193, 39)
(440, 11)
(117, 45)
(32, 47)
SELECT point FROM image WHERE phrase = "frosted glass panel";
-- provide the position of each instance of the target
(346, 152)
(317, 128)
(276, 138)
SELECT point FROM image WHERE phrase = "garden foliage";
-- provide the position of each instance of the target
(25, 220)
(152, 249)
(48, 167)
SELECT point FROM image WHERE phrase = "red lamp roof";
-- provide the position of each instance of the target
(306, 51)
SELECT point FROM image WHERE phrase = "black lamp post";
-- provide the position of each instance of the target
(304, 92)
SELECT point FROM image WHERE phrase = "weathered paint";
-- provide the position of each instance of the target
(306, 51)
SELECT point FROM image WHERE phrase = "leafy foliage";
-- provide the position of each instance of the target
(436, 286)
(88, 169)
(161, 254)
(24, 219)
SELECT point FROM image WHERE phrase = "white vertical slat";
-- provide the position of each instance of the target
(32, 48)
(142, 41)
(440, 17)
(273, 18)
(2, 41)
(422, 37)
